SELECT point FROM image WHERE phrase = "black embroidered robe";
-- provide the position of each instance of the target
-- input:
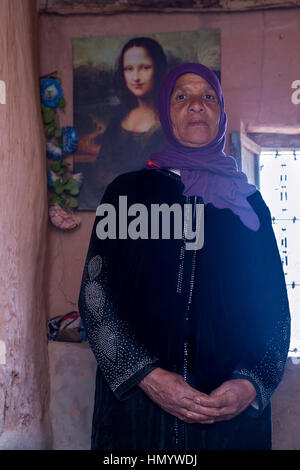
(211, 315)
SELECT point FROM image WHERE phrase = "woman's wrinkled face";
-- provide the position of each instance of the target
(194, 111)
(138, 71)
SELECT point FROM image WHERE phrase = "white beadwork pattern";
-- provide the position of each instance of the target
(94, 267)
(108, 342)
(94, 296)
(269, 370)
(117, 350)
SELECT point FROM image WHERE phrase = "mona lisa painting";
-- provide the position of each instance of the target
(116, 82)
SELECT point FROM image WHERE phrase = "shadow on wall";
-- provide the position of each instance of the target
(72, 384)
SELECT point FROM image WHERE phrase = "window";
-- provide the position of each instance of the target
(279, 176)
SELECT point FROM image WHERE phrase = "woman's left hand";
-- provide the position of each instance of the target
(228, 400)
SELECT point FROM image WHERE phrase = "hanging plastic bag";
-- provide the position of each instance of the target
(67, 328)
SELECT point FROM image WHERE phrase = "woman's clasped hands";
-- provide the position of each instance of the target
(170, 391)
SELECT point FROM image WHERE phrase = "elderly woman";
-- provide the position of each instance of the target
(190, 344)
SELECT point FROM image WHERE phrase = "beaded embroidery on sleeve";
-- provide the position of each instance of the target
(118, 352)
(268, 371)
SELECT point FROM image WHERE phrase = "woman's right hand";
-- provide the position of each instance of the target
(170, 391)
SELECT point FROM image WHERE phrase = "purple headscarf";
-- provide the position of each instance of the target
(205, 171)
